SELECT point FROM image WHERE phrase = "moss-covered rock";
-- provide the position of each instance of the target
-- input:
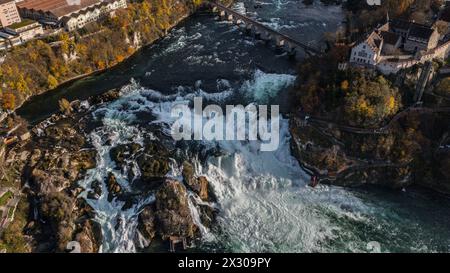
(173, 216)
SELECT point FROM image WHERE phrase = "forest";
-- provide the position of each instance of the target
(41, 65)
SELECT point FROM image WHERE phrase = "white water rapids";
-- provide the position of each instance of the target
(263, 200)
(265, 204)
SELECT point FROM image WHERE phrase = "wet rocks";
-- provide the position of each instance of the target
(114, 188)
(84, 159)
(153, 168)
(111, 95)
(53, 170)
(63, 134)
(188, 173)
(89, 236)
(123, 152)
(46, 183)
(96, 191)
(147, 223)
(172, 211)
(170, 215)
(207, 215)
(199, 185)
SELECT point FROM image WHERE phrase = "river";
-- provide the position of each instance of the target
(264, 201)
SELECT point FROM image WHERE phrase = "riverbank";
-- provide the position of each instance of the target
(85, 55)
(356, 127)
(59, 156)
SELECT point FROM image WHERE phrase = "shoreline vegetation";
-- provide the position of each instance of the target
(414, 148)
(40, 66)
(355, 126)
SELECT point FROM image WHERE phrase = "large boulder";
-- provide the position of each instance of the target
(89, 236)
(108, 96)
(84, 159)
(114, 188)
(123, 152)
(63, 134)
(147, 225)
(45, 183)
(199, 185)
(173, 215)
(153, 168)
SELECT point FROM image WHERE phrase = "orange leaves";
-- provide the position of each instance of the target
(8, 101)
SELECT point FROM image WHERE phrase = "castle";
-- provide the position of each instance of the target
(399, 44)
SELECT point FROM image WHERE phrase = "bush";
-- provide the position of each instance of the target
(65, 107)
(443, 87)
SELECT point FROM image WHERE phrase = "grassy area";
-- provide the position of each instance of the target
(10, 212)
(11, 176)
(13, 239)
(23, 23)
(5, 198)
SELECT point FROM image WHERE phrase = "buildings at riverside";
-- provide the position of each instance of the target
(26, 29)
(399, 44)
(8, 13)
(19, 33)
(15, 31)
(69, 14)
(56, 14)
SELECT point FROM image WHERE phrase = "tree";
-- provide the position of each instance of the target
(444, 87)
(441, 27)
(344, 85)
(52, 82)
(8, 101)
(370, 101)
(64, 106)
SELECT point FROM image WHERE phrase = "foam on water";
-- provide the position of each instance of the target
(118, 127)
(263, 200)
(265, 86)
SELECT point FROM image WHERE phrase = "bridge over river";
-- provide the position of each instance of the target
(282, 41)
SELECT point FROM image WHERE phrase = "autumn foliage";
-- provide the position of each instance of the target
(354, 96)
(38, 65)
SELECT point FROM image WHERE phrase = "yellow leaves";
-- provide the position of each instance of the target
(391, 105)
(37, 66)
(21, 85)
(52, 82)
(8, 101)
(130, 50)
(197, 2)
(81, 49)
(66, 42)
(65, 106)
(344, 85)
(364, 108)
(119, 58)
(100, 65)
(33, 55)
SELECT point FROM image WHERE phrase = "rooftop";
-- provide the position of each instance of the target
(420, 31)
(23, 23)
(59, 8)
(374, 40)
(5, 1)
(400, 24)
(390, 37)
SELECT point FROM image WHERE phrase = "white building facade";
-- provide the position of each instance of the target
(368, 51)
(70, 17)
